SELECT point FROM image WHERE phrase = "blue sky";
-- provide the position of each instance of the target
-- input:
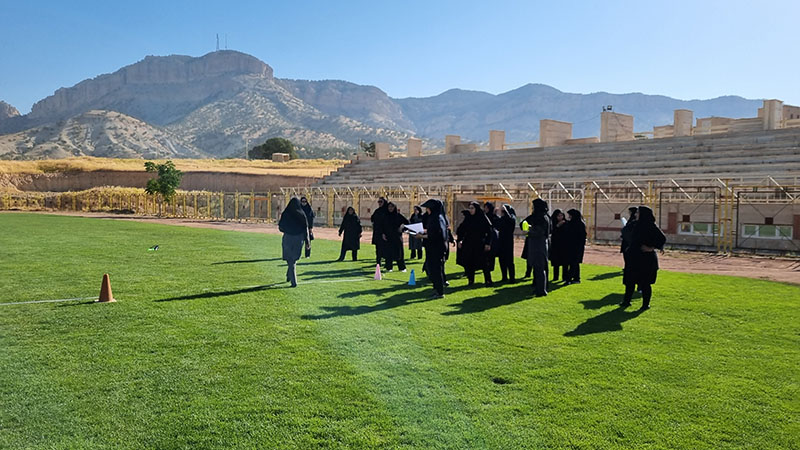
(683, 49)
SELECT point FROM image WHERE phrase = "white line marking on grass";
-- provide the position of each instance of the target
(49, 301)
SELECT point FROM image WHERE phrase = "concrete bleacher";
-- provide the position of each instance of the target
(741, 154)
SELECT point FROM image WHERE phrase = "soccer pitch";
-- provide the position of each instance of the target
(207, 347)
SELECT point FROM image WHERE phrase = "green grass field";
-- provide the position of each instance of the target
(206, 347)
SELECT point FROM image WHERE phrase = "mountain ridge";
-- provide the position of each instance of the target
(222, 102)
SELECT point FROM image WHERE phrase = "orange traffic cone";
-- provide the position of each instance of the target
(105, 290)
(378, 272)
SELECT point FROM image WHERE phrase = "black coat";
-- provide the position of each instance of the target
(558, 245)
(414, 244)
(538, 234)
(351, 227)
(575, 240)
(642, 267)
(378, 217)
(473, 235)
(394, 238)
(505, 228)
(436, 245)
(309, 212)
(626, 235)
(293, 219)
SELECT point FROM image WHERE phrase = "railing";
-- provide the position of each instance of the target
(683, 209)
(255, 206)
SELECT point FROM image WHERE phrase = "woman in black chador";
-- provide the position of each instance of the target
(537, 239)
(558, 245)
(506, 224)
(575, 245)
(393, 230)
(378, 238)
(294, 226)
(415, 245)
(474, 237)
(351, 227)
(642, 262)
(309, 212)
(435, 241)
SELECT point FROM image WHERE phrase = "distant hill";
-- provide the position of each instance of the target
(220, 103)
(472, 114)
(96, 133)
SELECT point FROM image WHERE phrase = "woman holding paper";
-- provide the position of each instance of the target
(435, 241)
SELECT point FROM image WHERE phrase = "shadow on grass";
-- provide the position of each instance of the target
(610, 299)
(395, 301)
(500, 297)
(246, 261)
(214, 294)
(606, 276)
(608, 321)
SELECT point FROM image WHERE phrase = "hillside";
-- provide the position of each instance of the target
(96, 133)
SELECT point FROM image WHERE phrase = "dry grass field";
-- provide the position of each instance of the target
(298, 167)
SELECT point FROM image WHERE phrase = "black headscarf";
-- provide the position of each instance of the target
(480, 215)
(510, 211)
(540, 206)
(575, 215)
(293, 219)
(646, 215)
(554, 216)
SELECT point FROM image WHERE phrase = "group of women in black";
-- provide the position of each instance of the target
(486, 233)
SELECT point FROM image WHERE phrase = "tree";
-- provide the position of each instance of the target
(369, 149)
(273, 145)
(169, 178)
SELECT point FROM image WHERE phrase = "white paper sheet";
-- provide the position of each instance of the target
(414, 228)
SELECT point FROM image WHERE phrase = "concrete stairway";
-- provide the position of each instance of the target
(768, 153)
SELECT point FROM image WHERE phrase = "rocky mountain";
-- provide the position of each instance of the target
(366, 104)
(222, 103)
(7, 111)
(96, 133)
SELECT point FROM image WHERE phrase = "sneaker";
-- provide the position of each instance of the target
(644, 308)
(404, 271)
(390, 270)
(625, 304)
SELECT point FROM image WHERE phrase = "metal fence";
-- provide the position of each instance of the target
(723, 217)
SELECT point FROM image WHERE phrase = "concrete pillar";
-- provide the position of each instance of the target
(554, 132)
(414, 147)
(450, 142)
(497, 140)
(615, 127)
(773, 114)
(683, 122)
(381, 150)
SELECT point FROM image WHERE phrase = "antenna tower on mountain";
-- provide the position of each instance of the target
(217, 41)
